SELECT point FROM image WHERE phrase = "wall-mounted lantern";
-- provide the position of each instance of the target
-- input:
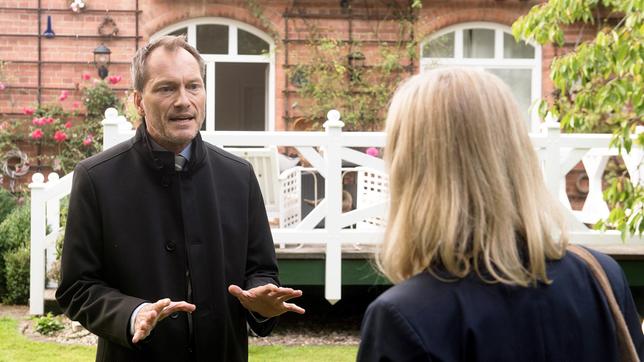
(49, 32)
(102, 60)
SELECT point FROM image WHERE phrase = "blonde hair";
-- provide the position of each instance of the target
(467, 192)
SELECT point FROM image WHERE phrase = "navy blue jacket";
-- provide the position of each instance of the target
(426, 319)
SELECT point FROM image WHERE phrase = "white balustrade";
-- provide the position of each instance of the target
(325, 151)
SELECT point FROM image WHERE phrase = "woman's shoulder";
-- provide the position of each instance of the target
(611, 267)
(413, 295)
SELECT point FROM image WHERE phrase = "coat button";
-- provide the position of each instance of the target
(174, 315)
(170, 246)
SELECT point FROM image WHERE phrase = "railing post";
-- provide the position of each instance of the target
(551, 167)
(595, 208)
(53, 221)
(37, 254)
(333, 198)
(110, 127)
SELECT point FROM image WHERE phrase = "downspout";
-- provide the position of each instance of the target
(39, 91)
(136, 26)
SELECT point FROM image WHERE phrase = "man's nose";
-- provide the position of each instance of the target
(182, 99)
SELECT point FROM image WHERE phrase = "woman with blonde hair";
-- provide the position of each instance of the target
(475, 242)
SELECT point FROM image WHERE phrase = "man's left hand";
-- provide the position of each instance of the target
(267, 300)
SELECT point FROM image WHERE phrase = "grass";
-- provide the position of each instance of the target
(16, 347)
(305, 353)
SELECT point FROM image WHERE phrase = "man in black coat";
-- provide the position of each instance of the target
(166, 225)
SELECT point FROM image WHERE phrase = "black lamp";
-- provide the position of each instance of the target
(102, 60)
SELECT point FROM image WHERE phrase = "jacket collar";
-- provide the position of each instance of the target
(164, 160)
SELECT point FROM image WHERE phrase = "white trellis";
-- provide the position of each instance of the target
(325, 151)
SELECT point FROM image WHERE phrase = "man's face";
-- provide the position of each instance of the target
(173, 98)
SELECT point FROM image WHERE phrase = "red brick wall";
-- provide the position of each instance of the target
(21, 77)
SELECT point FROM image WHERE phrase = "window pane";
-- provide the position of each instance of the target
(512, 49)
(249, 44)
(182, 31)
(520, 81)
(212, 39)
(478, 43)
(441, 47)
(240, 96)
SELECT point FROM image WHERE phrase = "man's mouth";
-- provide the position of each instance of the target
(181, 118)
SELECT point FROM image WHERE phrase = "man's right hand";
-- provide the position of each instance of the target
(152, 313)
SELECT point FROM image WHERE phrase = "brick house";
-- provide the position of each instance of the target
(249, 46)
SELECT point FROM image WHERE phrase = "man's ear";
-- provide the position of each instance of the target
(138, 102)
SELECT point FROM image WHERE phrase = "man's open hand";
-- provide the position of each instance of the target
(267, 300)
(152, 313)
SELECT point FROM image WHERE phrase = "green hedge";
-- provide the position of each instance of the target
(15, 231)
(17, 274)
(8, 203)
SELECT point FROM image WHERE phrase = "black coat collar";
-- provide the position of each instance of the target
(164, 160)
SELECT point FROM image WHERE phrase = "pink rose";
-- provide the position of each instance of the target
(86, 76)
(2, 86)
(48, 120)
(60, 136)
(68, 124)
(38, 121)
(372, 151)
(88, 140)
(63, 95)
(37, 134)
(114, 79)
(28, 111)
(76, 104)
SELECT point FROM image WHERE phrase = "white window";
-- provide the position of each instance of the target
(240, 72)
(491, 47)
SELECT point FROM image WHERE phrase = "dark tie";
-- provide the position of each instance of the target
(179, 162)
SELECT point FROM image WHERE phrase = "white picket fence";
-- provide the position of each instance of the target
(326, 151)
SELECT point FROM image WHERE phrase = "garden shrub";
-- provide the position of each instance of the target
(15, 232)
(17, 274)
(48, 324)
(7, 203)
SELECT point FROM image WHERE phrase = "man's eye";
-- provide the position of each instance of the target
(165, 89)
(194, 86)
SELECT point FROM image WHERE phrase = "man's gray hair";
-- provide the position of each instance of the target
(169, 42)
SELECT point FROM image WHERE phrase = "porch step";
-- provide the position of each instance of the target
(50, 302)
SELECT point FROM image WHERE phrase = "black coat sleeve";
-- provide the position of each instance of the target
(386, 335)
(83, 293)
(261, 263)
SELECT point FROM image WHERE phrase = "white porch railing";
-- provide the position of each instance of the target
(326, 151)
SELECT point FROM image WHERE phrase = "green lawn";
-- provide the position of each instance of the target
(14, 347)
(305, 353)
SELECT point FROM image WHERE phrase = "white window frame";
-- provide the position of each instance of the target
(497, 62)
(231, 57)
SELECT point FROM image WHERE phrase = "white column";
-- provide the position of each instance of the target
(333, 198)
(37, 259)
